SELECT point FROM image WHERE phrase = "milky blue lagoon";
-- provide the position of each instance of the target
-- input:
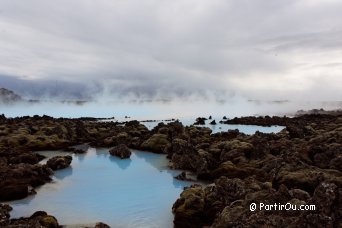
(135, 192)
(246, 129)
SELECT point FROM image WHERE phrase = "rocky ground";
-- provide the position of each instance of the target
(300, 165)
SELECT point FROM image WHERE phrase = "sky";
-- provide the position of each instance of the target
(161, 49)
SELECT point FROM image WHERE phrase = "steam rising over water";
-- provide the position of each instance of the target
(148, 110)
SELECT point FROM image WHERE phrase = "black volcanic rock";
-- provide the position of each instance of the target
(213, 122)
(4, 214)
(300, 165)
(120, 151)
(17, 179)
(59, 162)
(200, 121)
(2, 118)
(101, 225)
(157, 143)
(14, 192)
(37, 219)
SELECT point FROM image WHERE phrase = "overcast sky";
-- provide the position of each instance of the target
(259, 49)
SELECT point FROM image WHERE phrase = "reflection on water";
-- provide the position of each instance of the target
(80, 157)
(135, 192)
(60, 175)
(159, 162)
(122, 164)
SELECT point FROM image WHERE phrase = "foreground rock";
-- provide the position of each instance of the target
(190, 209)
(301, 165)
(59, 162)
(38, 219)
(18, 180)
(326, 212)
(4, 214)
(120, 151)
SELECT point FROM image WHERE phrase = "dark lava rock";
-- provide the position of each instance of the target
(300, 165)
(133, 123)
(29, 158)
(189, 209)
(59, 162)
(295, 132)
(17, 179)
(200, 121)
(49, 221)
(228, 169)
(336, 163)
(120, 151)
(262, 121)
(14, 192)
(38, 219)
(2, 118)
(157, 143)
(4, 214)
(184, 155)
(101, 225)
(327, 199)
(213, 122)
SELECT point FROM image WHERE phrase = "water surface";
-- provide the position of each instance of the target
(246, 129)
(135, 192)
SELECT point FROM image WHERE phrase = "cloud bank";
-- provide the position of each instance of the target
(162, 49)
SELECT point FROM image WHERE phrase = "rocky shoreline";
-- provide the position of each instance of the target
(301, 164)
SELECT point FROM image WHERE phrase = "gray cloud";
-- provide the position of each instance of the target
(161, 49)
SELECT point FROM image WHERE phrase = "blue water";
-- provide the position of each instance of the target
(246, 129)
(135, 192)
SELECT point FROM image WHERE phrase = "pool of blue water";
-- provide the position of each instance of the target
(135, 192)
